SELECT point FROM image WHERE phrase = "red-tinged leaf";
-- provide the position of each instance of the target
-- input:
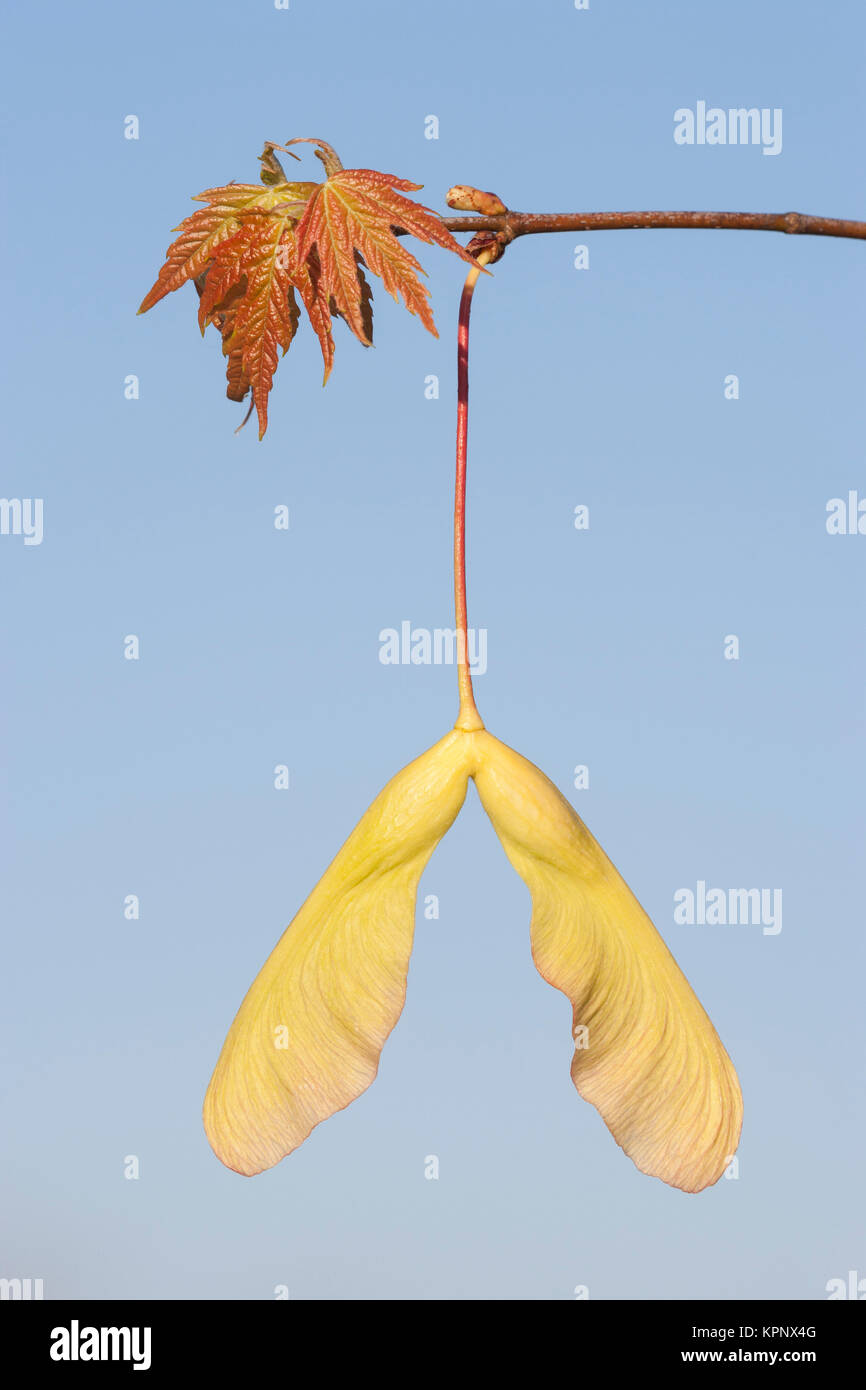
(224, 276)
(366, 299)
(237, 381)
(252, 248)
(308, 279)
(223, 318)
(205, 230)
(355, 210)
(266, 317)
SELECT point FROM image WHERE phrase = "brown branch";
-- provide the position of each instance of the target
(515, 224)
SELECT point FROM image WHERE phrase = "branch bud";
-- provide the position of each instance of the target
(494, 243)
(464, 198)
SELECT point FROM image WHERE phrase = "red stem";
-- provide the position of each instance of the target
(468, 716)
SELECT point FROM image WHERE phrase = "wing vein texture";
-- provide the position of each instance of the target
(334, 986)
(654, 1065)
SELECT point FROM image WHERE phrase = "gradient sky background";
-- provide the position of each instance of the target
(258, 647)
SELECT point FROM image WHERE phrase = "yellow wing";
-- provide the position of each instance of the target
(307, 1037)
(648, 1056)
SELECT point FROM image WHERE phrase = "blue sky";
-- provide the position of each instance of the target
(601, 387)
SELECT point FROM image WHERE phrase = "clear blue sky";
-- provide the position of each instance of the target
(602, 387)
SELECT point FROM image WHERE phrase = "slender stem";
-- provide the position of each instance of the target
(468, 716)
(523, 223)
(515, 224)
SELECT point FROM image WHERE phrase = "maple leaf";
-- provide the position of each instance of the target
(251, 250)
(356, 211)
(223, 318)
(251, 283)
(240, 253)
(366, 303)
(308, 279)
(207, 228)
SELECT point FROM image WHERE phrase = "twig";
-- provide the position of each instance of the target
(515, 224)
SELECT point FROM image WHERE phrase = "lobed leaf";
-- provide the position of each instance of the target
(231, 247)
(266, 316)
(355, 211)
(202, 233)
(222, 316)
